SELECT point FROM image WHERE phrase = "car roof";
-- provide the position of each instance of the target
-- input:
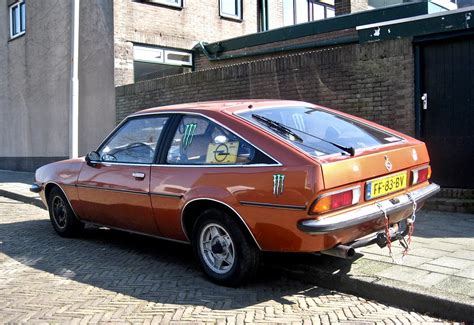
(228, 106)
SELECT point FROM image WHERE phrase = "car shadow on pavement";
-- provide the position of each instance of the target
(147, 268)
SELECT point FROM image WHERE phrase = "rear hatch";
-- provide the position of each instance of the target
(349, 149)
(371, 164)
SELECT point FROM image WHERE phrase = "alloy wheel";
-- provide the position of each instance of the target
(217, 248)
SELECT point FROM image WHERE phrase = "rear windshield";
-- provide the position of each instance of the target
(312, 129)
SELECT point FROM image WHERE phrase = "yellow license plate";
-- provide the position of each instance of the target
(385, 185)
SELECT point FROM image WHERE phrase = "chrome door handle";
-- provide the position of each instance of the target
(138, 175)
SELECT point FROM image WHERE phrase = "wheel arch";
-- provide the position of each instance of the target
(47, 191)
(195, 207)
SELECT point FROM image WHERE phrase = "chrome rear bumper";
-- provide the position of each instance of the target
(368, 213)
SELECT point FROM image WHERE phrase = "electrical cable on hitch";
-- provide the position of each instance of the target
(410, 224)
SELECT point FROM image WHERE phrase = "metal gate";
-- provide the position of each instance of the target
(445, 108)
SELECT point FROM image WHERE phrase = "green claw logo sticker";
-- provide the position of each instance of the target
(278, 184)
(189, 134)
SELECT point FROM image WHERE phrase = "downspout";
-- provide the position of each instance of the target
(74, 87)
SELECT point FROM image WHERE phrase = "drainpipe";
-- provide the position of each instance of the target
(74, 90)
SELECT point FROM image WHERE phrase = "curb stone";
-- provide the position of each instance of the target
(386, 291)
(22, 198)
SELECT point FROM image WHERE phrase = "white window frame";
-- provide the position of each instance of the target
(160, 55)
(309, 16)
(148, 54)
(17, 18)
(188, 63)
(177, 3)
(226, 15)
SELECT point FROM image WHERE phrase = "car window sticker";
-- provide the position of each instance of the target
(188, 136)
(298, 121)
(222, 153)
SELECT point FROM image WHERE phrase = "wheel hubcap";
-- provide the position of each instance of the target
(217, 248)
(59, 212)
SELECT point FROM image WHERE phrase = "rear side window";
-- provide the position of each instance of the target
(312, 129)
(199, 141)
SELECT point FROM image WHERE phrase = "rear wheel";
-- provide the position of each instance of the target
(61, 215)
(226, 253)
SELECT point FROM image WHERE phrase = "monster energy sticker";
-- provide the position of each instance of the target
(278, 184)
(188, 134)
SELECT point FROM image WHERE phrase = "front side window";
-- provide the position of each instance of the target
(318, 132)
(17, 19)
(135, 142)
(231, 9)
(199, 141)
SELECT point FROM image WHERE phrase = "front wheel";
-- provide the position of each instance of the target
(62, 216)
(226, 253)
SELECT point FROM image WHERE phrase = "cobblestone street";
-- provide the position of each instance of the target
(111, 276)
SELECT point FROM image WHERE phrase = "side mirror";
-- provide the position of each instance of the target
(92, 158)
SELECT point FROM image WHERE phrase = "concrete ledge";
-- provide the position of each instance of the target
(26, 164)
(22, 198)
(452, 200)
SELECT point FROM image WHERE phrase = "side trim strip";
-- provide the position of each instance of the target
(175, 196)
(271, 205)
(137, 232)
(112, 189)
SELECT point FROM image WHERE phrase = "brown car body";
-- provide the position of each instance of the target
(166, 201)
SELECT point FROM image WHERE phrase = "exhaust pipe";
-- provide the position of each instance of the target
(341, 251)
(348, 252)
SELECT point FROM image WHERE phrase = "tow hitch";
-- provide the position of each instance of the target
(382, 238)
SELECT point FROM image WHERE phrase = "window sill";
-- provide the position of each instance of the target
(231, 18)
(164, 5)
(12, 38)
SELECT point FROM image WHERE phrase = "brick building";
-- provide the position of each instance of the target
(376, 64)
(113, 43)
(59, 65)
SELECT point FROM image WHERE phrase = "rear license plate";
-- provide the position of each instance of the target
(385, 185)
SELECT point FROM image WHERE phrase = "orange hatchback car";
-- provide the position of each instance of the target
(235, 178)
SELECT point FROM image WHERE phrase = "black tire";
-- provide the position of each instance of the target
(61, 215)
(245, 254)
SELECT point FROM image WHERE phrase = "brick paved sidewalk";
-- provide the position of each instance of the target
(437, 275)
(114, 277)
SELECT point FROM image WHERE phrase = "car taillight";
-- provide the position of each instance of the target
(336, 200)
(420, 175)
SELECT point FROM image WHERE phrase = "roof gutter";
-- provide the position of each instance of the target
(275, 50)
(215, 51)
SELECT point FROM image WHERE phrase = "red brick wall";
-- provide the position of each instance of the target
(373, 80)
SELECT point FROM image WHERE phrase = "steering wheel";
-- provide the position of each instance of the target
(130, 146)
(108, 157)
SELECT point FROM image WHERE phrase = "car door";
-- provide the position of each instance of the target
(115, 190)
